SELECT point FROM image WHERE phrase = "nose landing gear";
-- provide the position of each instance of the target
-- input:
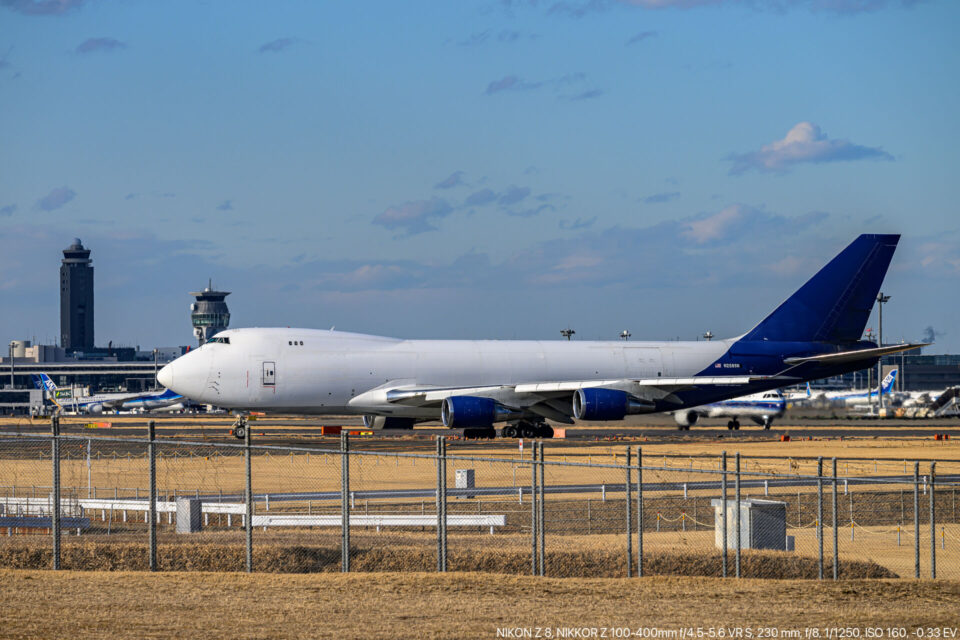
(239, 430)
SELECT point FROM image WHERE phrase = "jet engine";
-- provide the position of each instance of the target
(471, 411)
(606, 404)
(384, 422)
(95, 409)
(686, 418)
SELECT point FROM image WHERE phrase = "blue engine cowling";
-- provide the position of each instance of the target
(606, 404)
(470, 411)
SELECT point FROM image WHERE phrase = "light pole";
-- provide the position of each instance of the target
(625, 335)
(11, 364)
(708, 336)
(567, 333)
(881, 299)
(154, 368)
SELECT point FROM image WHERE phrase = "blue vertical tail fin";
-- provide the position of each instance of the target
(888, 381)
(834, 305)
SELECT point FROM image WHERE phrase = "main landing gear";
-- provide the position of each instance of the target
(526, 429)
(733, 425)
(239, 430)
(521, 429)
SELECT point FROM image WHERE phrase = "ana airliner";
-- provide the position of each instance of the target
(476, 384)
(101, 402)
(763, 408)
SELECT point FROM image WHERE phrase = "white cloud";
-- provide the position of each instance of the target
(805, 142)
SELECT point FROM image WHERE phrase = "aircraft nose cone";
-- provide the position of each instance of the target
(165, 376)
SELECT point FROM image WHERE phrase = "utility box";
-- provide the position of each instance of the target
(466, 480)
(188, 515)
(763, 524)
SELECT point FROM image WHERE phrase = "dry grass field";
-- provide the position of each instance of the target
(44, 604)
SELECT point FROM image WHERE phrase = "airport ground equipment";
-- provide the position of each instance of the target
(763, 524)
(188, 515)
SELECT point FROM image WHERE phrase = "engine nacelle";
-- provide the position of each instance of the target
(686, 418)
(606, 404)
(470, 411)
(384, 422)
(95, 409)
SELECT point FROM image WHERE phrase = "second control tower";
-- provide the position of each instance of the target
(209, 314)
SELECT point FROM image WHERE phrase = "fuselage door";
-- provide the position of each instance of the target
(269, 373)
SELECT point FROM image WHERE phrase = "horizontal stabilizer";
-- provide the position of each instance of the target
(846, 357)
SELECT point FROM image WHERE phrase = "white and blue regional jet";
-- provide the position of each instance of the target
(475, 384)
(763, 408)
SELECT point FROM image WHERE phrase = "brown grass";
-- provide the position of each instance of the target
(44, 604)
(511, 555)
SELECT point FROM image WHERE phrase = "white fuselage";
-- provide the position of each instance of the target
(330, 372)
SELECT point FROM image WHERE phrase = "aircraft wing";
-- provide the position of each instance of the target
(542, 397)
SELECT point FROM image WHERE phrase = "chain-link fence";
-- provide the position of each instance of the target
(76, 502)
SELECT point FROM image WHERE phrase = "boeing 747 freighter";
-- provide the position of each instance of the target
(476, 384)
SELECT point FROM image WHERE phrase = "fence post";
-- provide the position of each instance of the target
(820, 517)
(55, 511)
(441, 503)
(836, 551)
(739, 519)
(933, 523)
(723, 490)
(916, 520)
(629, 516)
(639, 512)
(344, 502)
(248, 498)
(152, 528)
(534, 525)
(541, 516)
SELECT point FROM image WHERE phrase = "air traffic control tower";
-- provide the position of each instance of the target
(209, 313)
(76, 298)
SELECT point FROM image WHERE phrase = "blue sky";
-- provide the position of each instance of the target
(475, 169)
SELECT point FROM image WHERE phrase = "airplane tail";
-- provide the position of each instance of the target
(808, 390)
(835, 304)
(888, 381)
(43, 381)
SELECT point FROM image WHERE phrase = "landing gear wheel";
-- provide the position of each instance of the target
(477, 433)
(736, 425)
(730, 425)
(527, 430)
(544, 431)
(509, 431)
(239, 430)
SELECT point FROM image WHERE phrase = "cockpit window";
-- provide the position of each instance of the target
(220, 340)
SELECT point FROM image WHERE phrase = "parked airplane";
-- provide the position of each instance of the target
(475, 384)
(97, 403)
(762, 408)
(861, 396)
(799, 397)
